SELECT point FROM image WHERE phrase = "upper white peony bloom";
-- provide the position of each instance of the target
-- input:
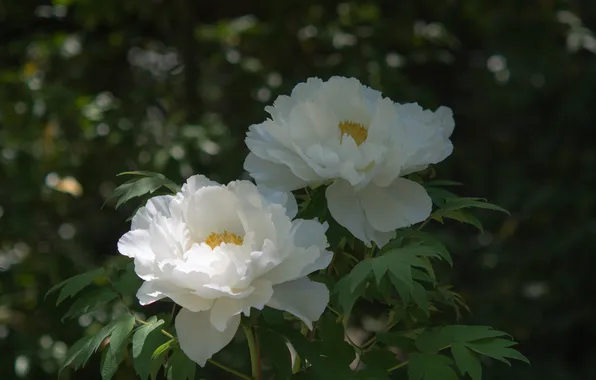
(218, 251)
(346, 134)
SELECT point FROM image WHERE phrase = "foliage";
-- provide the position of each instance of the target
(90, 89)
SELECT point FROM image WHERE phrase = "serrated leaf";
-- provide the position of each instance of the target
(82, 350)
(74, 285)
(497, 348)
(428, 240)
(276, 352)
(430, 367)
(139, 187)
(110, 361)
(121, 332)
(180, 367)
(460, 216)
(76, 352)
(171, 185)
(144, 342)
(89, 302)
(467, 361)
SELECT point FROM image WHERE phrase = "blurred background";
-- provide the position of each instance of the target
(89, 89)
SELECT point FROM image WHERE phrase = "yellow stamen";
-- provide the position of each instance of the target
(215, 239)
(358, 132)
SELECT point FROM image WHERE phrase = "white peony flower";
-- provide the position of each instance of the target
(218, 251)
(346, 134)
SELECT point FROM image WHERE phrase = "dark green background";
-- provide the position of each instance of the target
(92, 88)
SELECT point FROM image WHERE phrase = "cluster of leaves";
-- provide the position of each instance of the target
(147, 344)
(400, 278)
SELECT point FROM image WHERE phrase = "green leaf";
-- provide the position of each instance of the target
(397, 339)
(329, 329)
(276, 353)
(359, 274)
(499, 349)
(161, 350)
(467, 361)
(110, 361)
(76, 353)
(139, 187)
(461, 202)
(430, 367)
(459, 215)
(180, 367)
(439, 196)
(144, 342)
(128, 283)
(82, 350)
(74, 285)
(346, 296)
(121, 332)
(89, 302)
(462, 333)
(420, 297)
(327, 361)
(155, 366)
(171, 185)
(380, 358)
(428, 240)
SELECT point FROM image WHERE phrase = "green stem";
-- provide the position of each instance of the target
(149, 324)
(398, 366)
(230, 370)
(253, 348)
(423, 224)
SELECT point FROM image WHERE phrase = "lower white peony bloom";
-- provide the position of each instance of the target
(346, 134)
(218, 251)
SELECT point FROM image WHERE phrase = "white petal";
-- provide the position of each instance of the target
(401, 204)
(267, 173)
(152, 291)
(136, 244)
(321, 263)
(344, 206)
(198, 338)
(195, 183)
(226, 308)
(155, 206)
(213, 209)
(147, 293)
(304, 298)
(284, 198)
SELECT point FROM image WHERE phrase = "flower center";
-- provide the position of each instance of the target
(358, 132)
(215, 239)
